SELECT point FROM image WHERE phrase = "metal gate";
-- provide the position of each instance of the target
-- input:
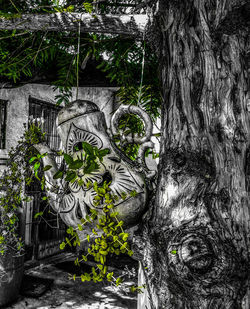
(43, 234)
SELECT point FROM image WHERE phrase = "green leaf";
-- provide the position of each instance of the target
(38, 214)
(84, 258)
(118, 281)
(70, 230)
(88, 148)
(43, 155)
(32, 159)
(68, 241)
(70, 175)
(46, 168)
(101, 191)
(130, 252)
(75, 165)
(93, 211)
(87, 276)
(68, 159)
(93, 166)
(70, 8)
(124, 246)
(110, 276)
(102, 259)
(94, 232)
(100, 266)
(174, 252)
(104, 152)
(113, 214)
(103, 252)
(133, 193)
(105, 269)
(132, 289)
(89, 184)
(76, 148)
(123, 195)
(36, 166)
(88, 7)
(83, 278)
(80, 182)
(157, 134)
(80, 228)
(125, 237)
(76, 262)
(58, 174)
(62, 245)
(120, 223)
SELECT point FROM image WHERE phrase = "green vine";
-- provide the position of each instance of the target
(104, 232)
(102, 229)
(17, 174)
(107, 237)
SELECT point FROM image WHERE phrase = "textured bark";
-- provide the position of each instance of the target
(197, 238)
(132, 25)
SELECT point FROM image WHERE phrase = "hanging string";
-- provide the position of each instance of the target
(77, 59)
(14, 6)
(142, 69)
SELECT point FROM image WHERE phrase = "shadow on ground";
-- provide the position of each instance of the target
(49, 282)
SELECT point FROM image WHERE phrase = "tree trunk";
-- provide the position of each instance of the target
(197, 236)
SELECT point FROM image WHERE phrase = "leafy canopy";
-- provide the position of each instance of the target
(62, 58)
(26, 55)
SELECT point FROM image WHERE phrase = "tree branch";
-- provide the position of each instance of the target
(129, 25)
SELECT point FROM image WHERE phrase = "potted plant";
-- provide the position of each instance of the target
(12, 184)
(11, 249)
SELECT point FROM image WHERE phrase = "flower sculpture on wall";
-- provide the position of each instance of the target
(75, 149)
(112, 170)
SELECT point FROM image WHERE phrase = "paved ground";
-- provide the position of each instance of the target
(64, 293)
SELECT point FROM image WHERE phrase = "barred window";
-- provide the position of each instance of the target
(45, 113)
(3, 115)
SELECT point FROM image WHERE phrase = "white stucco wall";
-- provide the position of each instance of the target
(18, 107)
(18, 110)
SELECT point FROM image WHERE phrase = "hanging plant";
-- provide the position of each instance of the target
(102, 229)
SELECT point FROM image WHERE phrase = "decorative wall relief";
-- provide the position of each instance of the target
(81, 121)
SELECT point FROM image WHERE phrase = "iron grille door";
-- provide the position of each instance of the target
(48, 230)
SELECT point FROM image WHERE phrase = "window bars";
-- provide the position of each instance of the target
(44, 114)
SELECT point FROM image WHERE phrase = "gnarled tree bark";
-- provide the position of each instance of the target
(197, 238)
